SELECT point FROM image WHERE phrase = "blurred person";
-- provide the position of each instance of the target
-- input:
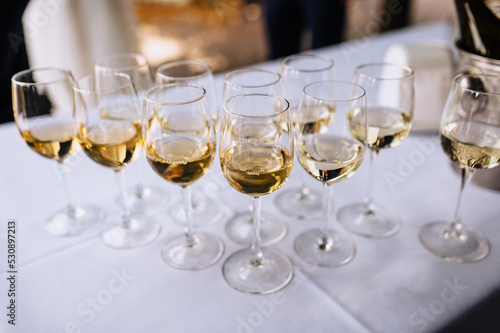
(288, 20)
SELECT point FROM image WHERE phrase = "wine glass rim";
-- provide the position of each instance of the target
(409, 71)
(172, 85)
(284, 109)
(67, 73)
(336, 82)
(184, 62)
(251, 69)
(101, 91)
(330, 61)
(462, 75)
(142, 61)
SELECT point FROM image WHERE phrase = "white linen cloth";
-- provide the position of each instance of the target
(392, 285)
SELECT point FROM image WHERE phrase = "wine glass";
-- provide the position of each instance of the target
(42, 99)
(141, 198)
(256, 164)
(329, 153)
(239, 228)
(390, 100)
(205, 210)
(470, 137)
(108, 123)
(302, 202)
(180, 147)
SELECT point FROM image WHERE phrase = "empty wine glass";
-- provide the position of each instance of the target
(206, 211)
(108, 122)
(180, 147)
(329, 153)
(302, 202)
(470, 137)
(142, 197)
(239, 228)
(390, 101)
(42, 99)
(256, 163)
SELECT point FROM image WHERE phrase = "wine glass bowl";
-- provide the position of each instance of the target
(108, 126)
(470, 138)
(256, 165)
(329, 154)
(390, 100)
(180, 147)
(43, 111)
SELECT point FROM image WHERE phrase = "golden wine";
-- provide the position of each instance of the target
(475, 145)
(387, 127)
(329, 158)
(52, 140)
(315, 119)
(112, 143)
(181, 159)
(256, 169)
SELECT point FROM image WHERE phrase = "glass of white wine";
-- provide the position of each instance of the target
(206, 211)
(142, 198)
(42, 99)
(470, 137)
(302, 201)
(256, 163)
(239, 227)
(108, 118)
(180, 147)
(328, 152)
(390, 101)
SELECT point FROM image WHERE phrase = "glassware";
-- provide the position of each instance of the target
(108, 125)
(390, 101)
(180, 147)
(302, 202)
(256, 164)
(470, 137)
(329, 153)
(42, 99)
(142, 198)
(206, 211)
(239, 228)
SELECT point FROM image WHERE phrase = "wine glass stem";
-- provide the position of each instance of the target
(256, 250)
(63, 171)
(188, 208)
(371, 179)
(327, 208)
(125, 211)
(466, 176)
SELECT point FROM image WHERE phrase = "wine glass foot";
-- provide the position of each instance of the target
(240, 230)
(271, 273)
(300, 204)
(375, 222)
(324, 248)
(83, 220)
(139, 232)
(471, 245)
(205, 212)
(146, 198)
(204, 251)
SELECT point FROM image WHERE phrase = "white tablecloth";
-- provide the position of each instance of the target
(392, 285)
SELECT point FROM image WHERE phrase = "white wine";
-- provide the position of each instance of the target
(329, 158)
(52, 140)
(256, 169)
(475, 145)
(181, 159)
(112, 143)
(387, 127)
(315, 119)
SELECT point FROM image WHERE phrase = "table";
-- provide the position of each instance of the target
(392, 285)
